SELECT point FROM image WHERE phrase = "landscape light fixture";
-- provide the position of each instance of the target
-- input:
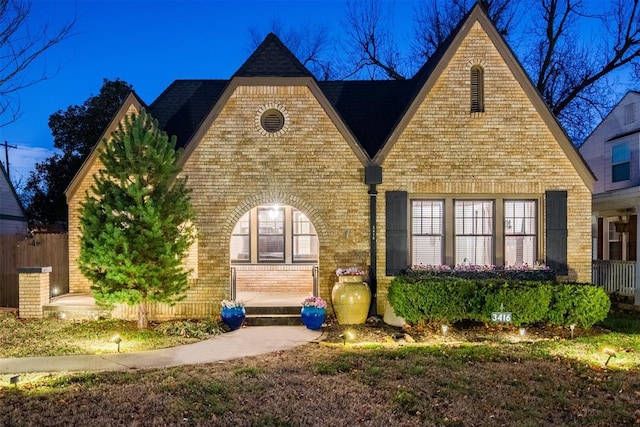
(522, 331)
(54, 293)
(14, 380)
(347, 336)
(445, 329)
(572, 327)
(116, 339)
(610, 352)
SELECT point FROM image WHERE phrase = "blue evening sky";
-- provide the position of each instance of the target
(150, 43)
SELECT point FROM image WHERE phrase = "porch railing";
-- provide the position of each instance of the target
(616, 277)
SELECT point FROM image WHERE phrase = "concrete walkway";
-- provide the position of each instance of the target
(249, 341)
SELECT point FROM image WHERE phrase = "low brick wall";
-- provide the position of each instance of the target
(274, 278)
(33, 284)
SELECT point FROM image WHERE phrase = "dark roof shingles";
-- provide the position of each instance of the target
(272, 59)
(182, 107)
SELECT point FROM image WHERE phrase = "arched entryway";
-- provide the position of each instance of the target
(274, 254)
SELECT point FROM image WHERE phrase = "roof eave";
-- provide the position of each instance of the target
(131, 100)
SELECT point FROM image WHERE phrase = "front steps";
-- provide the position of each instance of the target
(273, 316)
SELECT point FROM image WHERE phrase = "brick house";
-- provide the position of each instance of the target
(295, 177)
(613, 153)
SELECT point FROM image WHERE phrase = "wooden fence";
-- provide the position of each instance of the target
(616, 277)
(41, 250)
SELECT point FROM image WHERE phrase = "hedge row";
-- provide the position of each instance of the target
(451, 299)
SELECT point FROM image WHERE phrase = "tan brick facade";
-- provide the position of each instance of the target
(439, 150)
(508, 151)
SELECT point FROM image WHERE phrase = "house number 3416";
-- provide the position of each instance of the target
(501, 317)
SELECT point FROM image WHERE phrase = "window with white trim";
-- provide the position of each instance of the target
(620, 162)
(305, 239)
(271, 234)
(520, 232)
(240, 240)
(427, 231)
(274, 234)
(474, 232)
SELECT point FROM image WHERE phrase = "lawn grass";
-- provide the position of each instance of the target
(526, 382)
(56, 337)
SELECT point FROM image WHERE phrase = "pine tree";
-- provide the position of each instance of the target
(136, 220)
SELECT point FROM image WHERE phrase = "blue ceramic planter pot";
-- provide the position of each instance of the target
(233, 317)
(313, 317)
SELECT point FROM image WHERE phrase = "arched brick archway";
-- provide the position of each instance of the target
(289, 273)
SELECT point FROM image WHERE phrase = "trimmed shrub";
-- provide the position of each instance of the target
(527, 301)
(436, 299)
(440, 298)
(579, 303)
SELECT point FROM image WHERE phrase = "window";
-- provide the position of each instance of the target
(305, 239)
(271, 234)
(240, 243)
(520, 240)
(274, 234)
(477, 89)
(620, 162)
(427, 233)
(474, 232)
(629, 114)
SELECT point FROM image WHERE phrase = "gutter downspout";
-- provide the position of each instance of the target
(372, 177)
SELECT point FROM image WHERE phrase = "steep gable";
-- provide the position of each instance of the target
(12, 216)
(272, 59)
(432, 71)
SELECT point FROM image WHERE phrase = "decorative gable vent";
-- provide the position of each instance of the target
(271, 120)
(477, 89)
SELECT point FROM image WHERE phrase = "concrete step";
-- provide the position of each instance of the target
(272, 320)
(290, 310)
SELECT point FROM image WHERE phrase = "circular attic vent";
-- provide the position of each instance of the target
(272, 121)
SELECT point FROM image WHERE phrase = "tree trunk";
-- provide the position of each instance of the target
(143, 320)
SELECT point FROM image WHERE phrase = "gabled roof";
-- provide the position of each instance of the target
(370, 109)
(272, 59)
(427, 76)
(371, 113)
(10, 206)
(181, 108)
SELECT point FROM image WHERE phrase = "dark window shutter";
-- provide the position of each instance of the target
(600, 240)
(556, 219)
(397, 250)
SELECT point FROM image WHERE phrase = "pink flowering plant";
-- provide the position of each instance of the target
(351, 271)
(537, 271)
(317, 302)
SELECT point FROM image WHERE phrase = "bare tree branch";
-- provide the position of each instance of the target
(371, 41)
(20, 46)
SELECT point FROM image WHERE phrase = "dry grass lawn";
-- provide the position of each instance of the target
(495, 379)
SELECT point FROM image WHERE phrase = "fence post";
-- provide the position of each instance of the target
(33, 291)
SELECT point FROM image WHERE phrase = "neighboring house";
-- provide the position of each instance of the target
(294, 177)
(613, 153)
(13, 220)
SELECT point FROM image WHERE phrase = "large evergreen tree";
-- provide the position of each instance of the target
(136, 220)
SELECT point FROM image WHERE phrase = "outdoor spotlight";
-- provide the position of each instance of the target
(116, 339)
(522, 331)
(63, 315)
(54, 293)
(610, 352)
(347, 336)
(14, 380)
(572, 327)
(445, 329)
